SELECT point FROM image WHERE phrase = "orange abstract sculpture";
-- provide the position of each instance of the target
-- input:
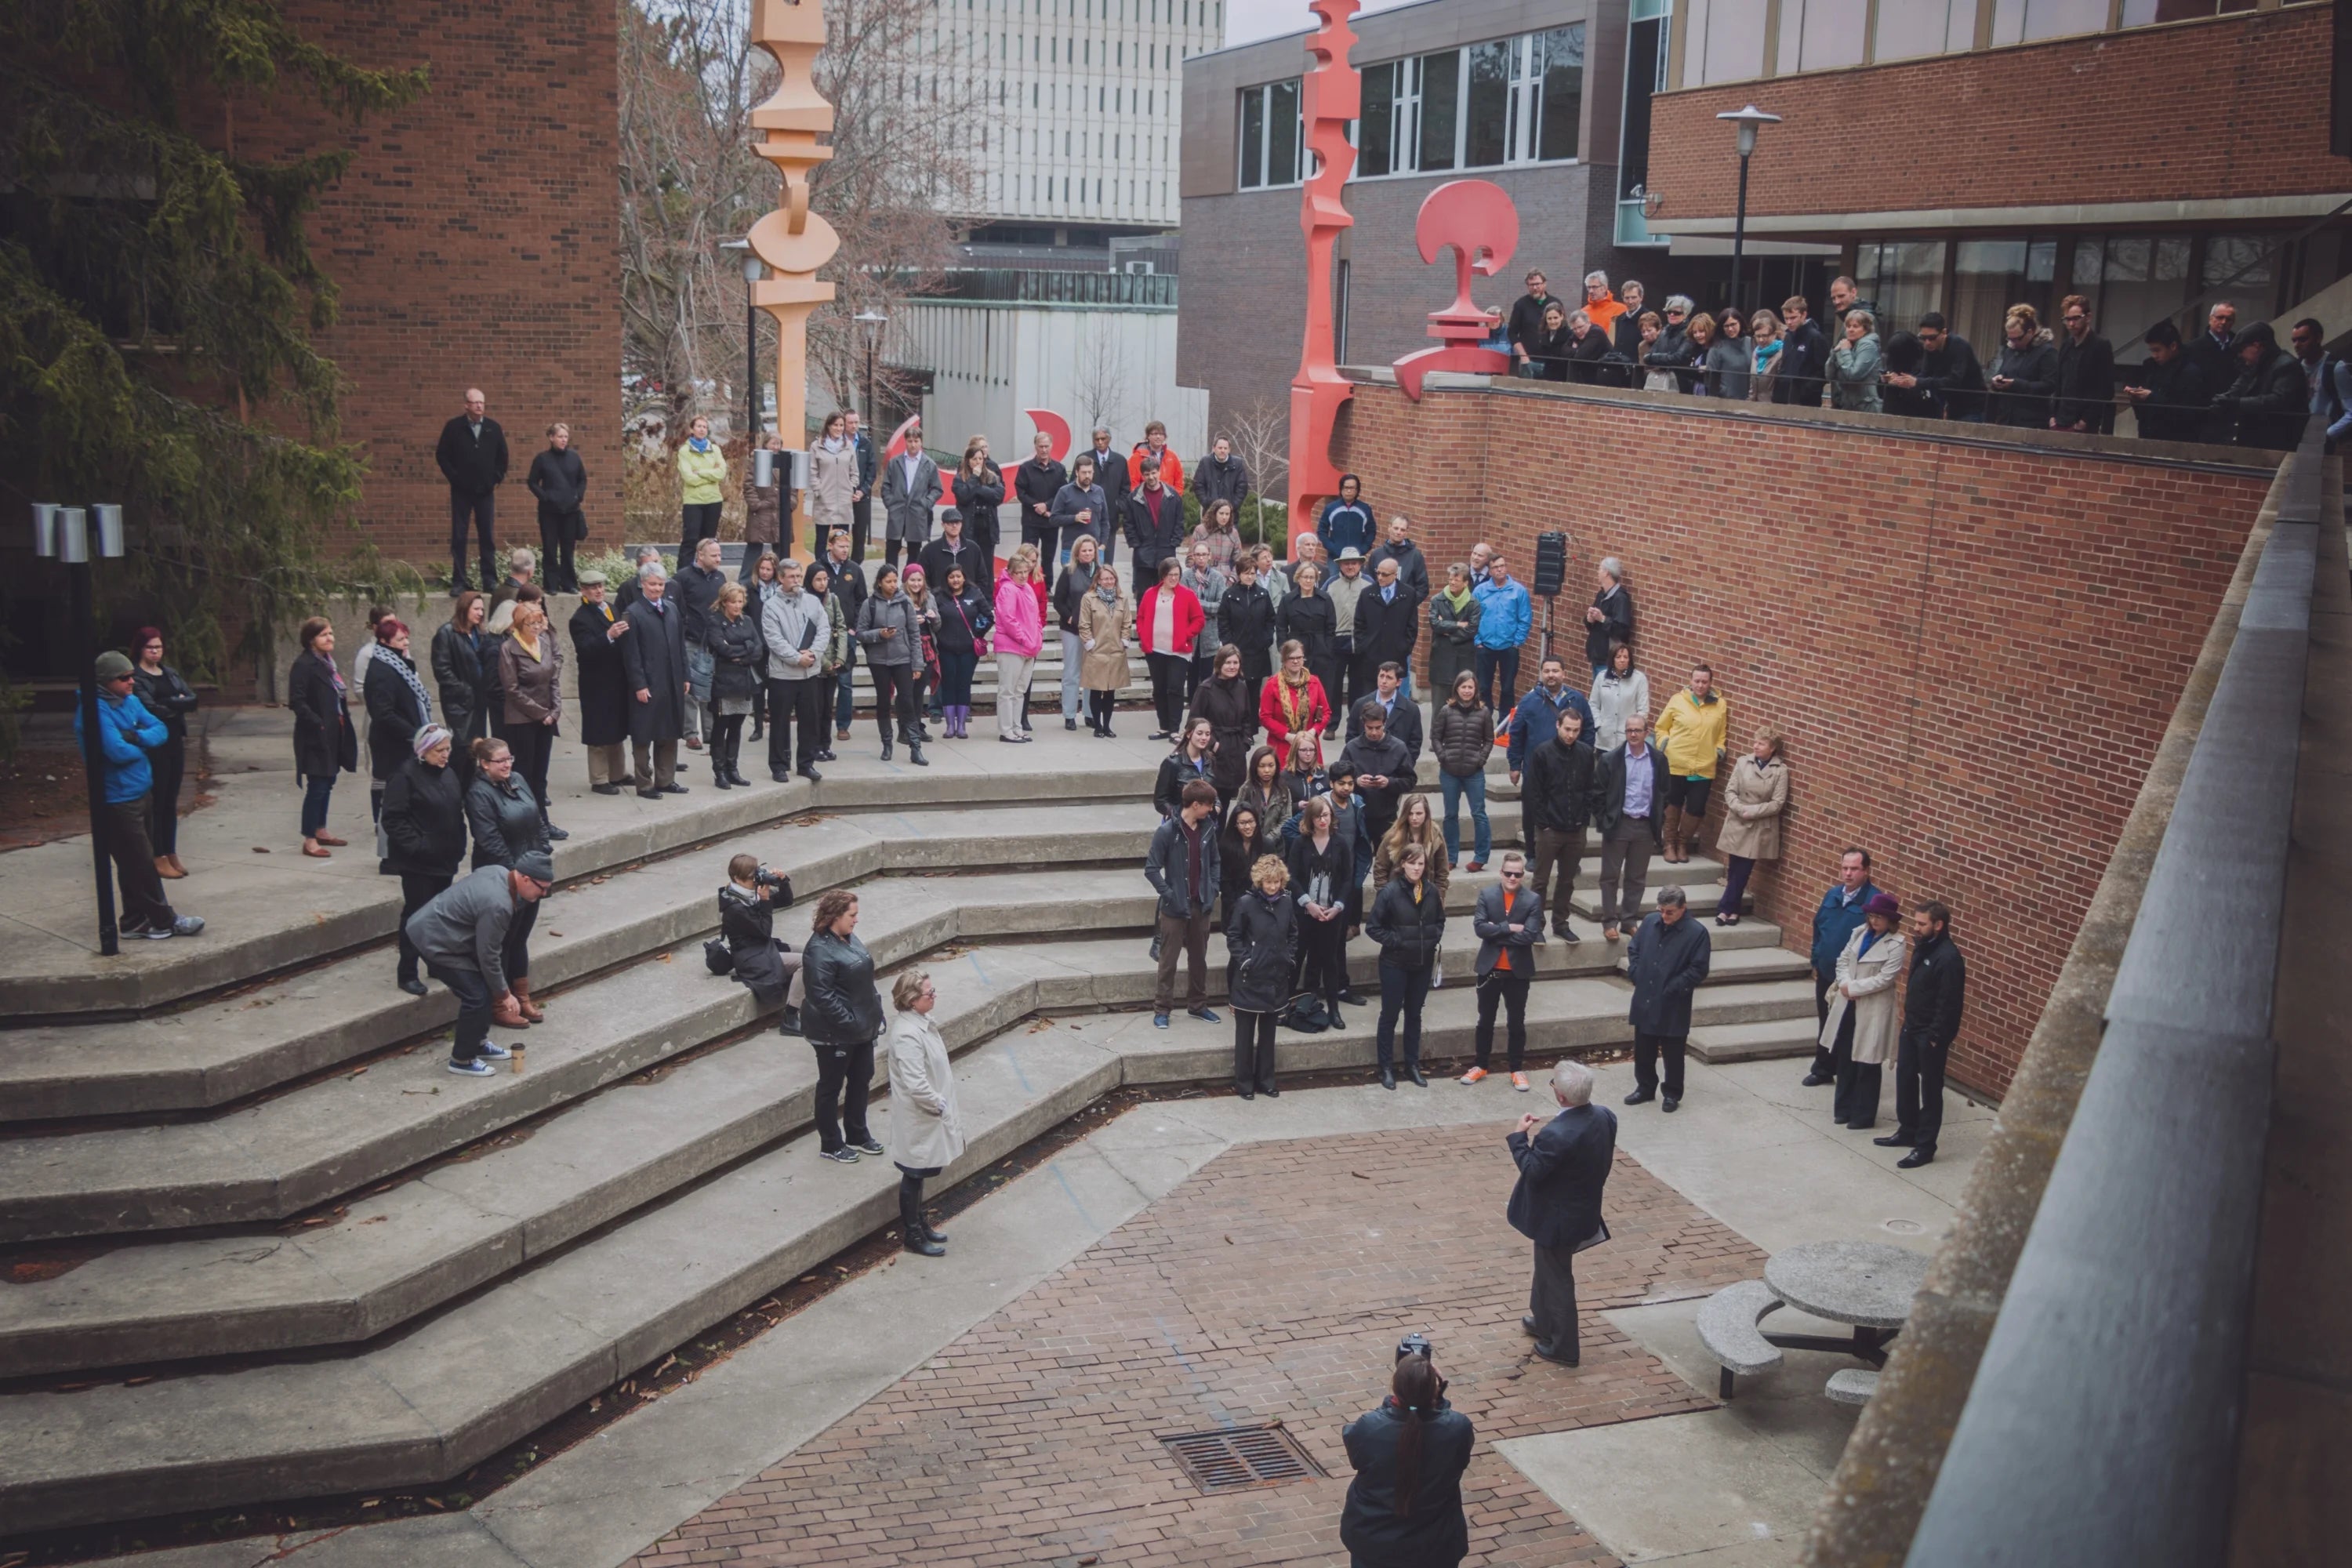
(791, 241)
(1334, 98)
(1475, 220)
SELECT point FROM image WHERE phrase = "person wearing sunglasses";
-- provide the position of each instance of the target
(1510, 920)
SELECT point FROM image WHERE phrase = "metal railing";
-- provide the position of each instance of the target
(2102, 1429)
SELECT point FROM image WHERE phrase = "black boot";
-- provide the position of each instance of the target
(719, 770)
(915, 1234)
(914, 754)
(790, 1023)
(886, 748)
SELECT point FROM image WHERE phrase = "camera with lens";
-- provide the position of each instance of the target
(1411, 1345)
(776, 885)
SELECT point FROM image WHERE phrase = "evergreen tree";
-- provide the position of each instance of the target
(158, 298)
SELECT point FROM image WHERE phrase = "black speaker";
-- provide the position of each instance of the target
(1551, 562)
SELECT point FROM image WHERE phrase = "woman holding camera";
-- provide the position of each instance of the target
(1405, 1507)
(926, 1128)
(841, 1014)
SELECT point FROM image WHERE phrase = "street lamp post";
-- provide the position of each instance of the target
(872, 320)
(753, 272)
(1749, 121)
(63, 533)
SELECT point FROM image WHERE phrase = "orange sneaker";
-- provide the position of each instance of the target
(1520, 1081)
(1475, 1075)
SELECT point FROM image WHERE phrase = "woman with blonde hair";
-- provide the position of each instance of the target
(1415, 825)
(1753, 800)
(2024, 375)
(1070, 592)
(1106, 623)
(1020, 638)
(1294, 704)
(739, 657)
(927, 1132)
(1262, 939)
(530, 674)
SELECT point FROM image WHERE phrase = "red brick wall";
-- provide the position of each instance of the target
(2232, 107)
(476, 241)
(1972, 651)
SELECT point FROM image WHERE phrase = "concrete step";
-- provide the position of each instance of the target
(1791, 1037)
(1731, 966)
(456, 1386)
(218, 1052)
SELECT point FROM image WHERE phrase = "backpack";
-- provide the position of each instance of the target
(1613, 369)
(1307, 1014)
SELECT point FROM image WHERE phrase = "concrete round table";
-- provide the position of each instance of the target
(1866, 1283)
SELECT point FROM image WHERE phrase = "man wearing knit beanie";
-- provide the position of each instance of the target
(126, 733)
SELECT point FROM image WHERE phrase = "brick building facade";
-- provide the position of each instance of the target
(475, 239)
(1972, 646)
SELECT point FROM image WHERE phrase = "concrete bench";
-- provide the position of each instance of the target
(1726, 1326)
(1855, 1386)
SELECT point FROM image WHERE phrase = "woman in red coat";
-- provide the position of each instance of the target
(1167, 621)
(1293, 702)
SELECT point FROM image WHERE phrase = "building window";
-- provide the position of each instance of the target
(1508, 100)
(2142, 13)
(1902, 279)
(1821, 35)
(1270, 135)
(1908, 29)
(1725, 41)
(2134, 280)
(1989, 275)
(2024, 21)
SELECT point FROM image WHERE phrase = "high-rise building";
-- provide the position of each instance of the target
(1078, 118)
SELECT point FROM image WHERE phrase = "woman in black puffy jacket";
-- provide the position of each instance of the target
(841, 1014)
(1262, 939)
(1408, 920)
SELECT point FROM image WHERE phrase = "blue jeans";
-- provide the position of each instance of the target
(1487, 665)
(315, 792)
(1453, 789)
(473, 1008)
(1402, 990)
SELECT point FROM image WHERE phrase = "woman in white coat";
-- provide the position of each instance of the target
(1619, 692)
(926, 1128)
(1865, 1013)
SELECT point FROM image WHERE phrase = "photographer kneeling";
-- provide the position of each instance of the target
(756, 956)
(1405, 1507)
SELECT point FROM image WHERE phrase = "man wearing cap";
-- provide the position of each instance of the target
(126, 733)
(461, 936)
(1345, 590)
(597, 637)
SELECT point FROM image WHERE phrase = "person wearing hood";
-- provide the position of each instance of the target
(889, 632)
(1865, 1017)
(702, 488)
(2024, 373)
(425, 835)
(1693, 730)
(1453, 630)
(1220, 476)
(1261, 951)
(1854, 368)
(2271, 399)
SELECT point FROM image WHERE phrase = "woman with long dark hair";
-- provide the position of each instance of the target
(1322, 875)
(1265, 791)
(1239, 846)
(171, 699)
(841, 1014)
(890, 635)
(819, 583)
(324, 742)
(1405, 1507)
(1226, 701)
(464, 673)
(965, 621)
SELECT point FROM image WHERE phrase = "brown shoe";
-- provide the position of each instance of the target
(329, 838)
(177, 864)
(530, 1010)
(506, 1013)
(1609, 932)
(311, 848)
(164, 868)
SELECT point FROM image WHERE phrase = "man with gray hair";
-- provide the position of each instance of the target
(521, 566)
(653, 658)
(1563, 1163)
(1609, 617)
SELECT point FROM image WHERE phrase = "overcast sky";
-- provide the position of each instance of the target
(1246, 20)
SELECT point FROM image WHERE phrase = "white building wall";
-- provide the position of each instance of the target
(1113, 365)
(1082, 101)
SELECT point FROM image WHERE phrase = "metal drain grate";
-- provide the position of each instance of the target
(1236, 1458)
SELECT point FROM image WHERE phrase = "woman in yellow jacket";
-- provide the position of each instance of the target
(1692, 729)
(702, 485)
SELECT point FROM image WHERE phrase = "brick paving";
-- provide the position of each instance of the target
(1272, 1285)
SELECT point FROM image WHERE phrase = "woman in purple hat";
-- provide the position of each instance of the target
(1865, 1012)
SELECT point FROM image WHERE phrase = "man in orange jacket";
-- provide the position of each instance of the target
(1155, 445)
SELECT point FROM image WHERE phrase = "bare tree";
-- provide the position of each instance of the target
(1100, 381)
(1261, 435)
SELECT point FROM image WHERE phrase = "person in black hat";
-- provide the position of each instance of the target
(2271, 399)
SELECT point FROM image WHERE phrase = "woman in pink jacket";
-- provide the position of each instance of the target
(1019, 634)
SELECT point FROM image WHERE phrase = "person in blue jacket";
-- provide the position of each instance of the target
(1537, 718)
(1839, 912)
(126, 733)
(1505, 614)
(1347, 520)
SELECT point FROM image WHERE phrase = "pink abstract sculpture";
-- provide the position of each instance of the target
(1475, 220)
(1334, 98)
(1054, 428)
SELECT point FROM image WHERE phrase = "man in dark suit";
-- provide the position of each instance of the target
(1666, 961)
(1629, 802)
(1110, 472)
(1155, 523)
(653, 652)
(473, 458)
(952, 549)
(1035, 483)
(1563, 1165)
(2173, 398)
(1388, 623)
(1933, 998)
(1509, 921)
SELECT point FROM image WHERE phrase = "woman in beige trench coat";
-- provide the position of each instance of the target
(1866, 1011)
(1106, 622)
(1753, 799)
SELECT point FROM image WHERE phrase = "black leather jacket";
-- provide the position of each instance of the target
(843, 1007)
(505, 820)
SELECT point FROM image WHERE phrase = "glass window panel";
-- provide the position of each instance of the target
(1902, 279)
(1440, 97)
(1282, 134)
(2088, 261)
(1252, 137)
(1989, 276)
(2065, 19)
(1563, 90)
(1910, 28)
(2008, 21)
(2229, 255)
(2141, 12)
(1826, 33)
(2145, 280)
(1725, 41)
(1485, 123)
(1375, 134)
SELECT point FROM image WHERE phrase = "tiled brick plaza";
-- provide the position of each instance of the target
(1270, 1287)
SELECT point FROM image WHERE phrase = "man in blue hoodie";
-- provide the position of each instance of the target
(1505, 614)
(126, 733)
(1839, 912)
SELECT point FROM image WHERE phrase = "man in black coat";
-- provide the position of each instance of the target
(2271, 398)
(653, 654)
(1155, 523)
(2172, 397)
(1666, 961)
(1525, 323)
(849, 587)
(1933, 996)
(1949, 373)
(1609, 617)
(1388, 623)
(1035, 483)
(1403, 714)
(2086, 373)
(2213, 350)
(1221, 475)
(559, 480)
(1110, 472)
(597, 637)
(951, 548)
(1629, 803)
(1412, 566)
(1383, 771)
(1564, 1165)
(861, 497)
(1556, 805)
(1804, 357)
(473, 458)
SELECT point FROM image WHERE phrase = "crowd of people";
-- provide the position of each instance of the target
(2226, 385)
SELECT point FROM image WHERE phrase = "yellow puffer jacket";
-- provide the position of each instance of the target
(702, 476)
(1693, 731)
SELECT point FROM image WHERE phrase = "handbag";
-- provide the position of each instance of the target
(576, 526)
